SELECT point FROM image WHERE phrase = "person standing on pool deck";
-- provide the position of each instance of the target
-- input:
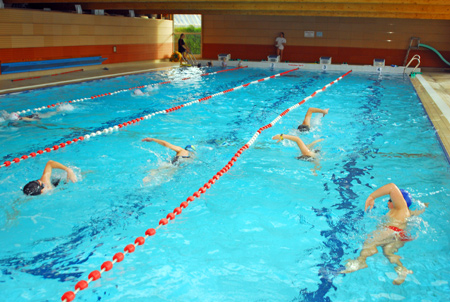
(182, 47)
(45, 183)
(279, 44)
(389, 236)
(306, 125)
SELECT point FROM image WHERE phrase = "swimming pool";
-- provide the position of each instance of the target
(268, 230)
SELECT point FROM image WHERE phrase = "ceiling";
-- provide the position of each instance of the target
(401, 9)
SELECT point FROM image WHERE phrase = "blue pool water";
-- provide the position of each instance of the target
(269, 230)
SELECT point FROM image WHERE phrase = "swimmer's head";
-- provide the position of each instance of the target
(190, 148)
(138, 92)
(14, 116)
(303, 128)
(33, 188)
(406, 196)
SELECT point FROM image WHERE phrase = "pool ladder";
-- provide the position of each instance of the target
(413, 44)
(192, 59)
(415, 57)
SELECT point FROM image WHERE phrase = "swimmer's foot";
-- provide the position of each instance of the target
(325, 111)
(353, 266)
(402, 272)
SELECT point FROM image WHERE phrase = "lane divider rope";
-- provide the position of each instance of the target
(130, 248)
(120, 91)
(134, 121)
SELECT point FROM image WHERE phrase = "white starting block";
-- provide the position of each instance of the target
(325, 60)
(273, 59)
(224, 57)
(378, 62)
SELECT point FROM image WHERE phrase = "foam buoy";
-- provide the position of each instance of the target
(150, 232)
(129, 248)
(118, 257)
(81, 285)
(94, 275)
(107, 265)
(68, 296)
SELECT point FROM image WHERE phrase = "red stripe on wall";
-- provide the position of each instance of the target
(124, 53)
(311, 54)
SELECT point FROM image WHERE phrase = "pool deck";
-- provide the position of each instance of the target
(433, 88)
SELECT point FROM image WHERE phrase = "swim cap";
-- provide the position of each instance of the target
(407, 197)
(33, 188)
(14, 116)
(303, 128)
(189, 148)
(138, 92)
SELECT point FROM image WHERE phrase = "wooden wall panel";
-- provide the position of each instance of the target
(369, 38)
(27, 35)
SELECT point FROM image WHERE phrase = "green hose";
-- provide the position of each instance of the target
(437, 52)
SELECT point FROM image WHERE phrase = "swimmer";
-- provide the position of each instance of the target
(224, 63)
(307, 154)
(390, 236)
(45, 183)
(306, 125)
(29, 118)
(182, 155)
(138, 92)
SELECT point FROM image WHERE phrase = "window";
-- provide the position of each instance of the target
(191, 27)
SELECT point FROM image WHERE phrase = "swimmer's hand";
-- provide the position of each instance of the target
(370, 202)
(71, 176)
(148, 139)
(277, 137)
(426, 204)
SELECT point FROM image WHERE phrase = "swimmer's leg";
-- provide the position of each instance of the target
(402, 271)
(377, 238)
(150, 176)
(360, 262)
(309, 113)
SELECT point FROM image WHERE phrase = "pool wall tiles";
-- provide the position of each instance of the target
(28, 35)
(350, 40)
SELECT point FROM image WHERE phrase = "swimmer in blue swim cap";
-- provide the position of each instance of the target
(390, 236)
(306, 125)
(45, 183)
(180, 152)
(307, 153)
(181, 156)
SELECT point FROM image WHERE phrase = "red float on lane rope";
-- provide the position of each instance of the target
(81, 285)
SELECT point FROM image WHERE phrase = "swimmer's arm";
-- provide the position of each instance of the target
(418, 212)
(51, 164)
(163, 143)
(27, 119)
(390, 189)
(309, 146)
(301, 145)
